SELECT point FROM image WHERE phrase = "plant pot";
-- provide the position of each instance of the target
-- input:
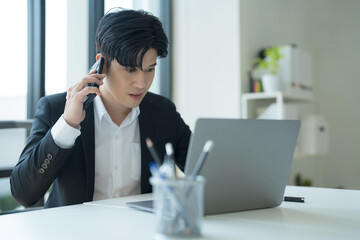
(271, 83)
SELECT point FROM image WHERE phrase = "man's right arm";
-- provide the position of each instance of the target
(43, 157)
(40, 162)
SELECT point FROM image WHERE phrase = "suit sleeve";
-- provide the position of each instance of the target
(40, 161)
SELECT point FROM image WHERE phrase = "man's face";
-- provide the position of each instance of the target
(128, 86)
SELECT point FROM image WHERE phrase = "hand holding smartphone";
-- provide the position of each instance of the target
(90, 97)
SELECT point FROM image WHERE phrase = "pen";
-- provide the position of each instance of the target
(153, 152)
(206, 149)
(294, 199)
(169, 150)
(200, 162)
(168, 166)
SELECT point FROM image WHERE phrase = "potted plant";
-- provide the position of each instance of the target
(270, 80)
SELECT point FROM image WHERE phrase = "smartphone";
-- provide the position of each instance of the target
(90, 97)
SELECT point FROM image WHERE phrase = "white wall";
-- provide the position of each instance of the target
(206, 60)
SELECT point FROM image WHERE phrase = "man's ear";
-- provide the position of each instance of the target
(98, 56)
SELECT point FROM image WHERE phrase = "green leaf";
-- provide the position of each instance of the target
(271, 60)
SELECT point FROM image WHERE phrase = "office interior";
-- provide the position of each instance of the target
(213, 44)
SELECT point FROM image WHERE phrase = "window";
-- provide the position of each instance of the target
(109, 4)
(55, 47)
(13, 22)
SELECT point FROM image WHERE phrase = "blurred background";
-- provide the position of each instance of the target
(210, 72)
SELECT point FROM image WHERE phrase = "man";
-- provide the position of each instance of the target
(101, 153)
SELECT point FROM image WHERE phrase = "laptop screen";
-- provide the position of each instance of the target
(249, 164)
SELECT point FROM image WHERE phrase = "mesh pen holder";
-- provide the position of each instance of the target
(179, 206)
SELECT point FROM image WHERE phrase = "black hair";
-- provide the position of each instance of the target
(121, 35)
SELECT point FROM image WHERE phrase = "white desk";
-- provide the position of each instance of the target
(326, 214)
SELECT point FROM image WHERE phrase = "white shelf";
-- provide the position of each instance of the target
(287, 96)
(279, 98)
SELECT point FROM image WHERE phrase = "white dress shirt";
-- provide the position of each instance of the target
(117, 151)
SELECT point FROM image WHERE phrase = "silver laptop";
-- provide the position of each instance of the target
(248, 166)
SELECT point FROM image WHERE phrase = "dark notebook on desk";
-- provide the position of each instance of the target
(248, 166)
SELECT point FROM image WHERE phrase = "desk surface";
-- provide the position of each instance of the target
(326, 214)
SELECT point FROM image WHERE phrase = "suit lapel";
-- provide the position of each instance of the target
(147, 130)
(88, 141)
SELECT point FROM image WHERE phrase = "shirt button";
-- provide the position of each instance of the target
(117, 137)
(47, 161)
(49, 156)
(41, 170)
(116, 167)
(44, 166)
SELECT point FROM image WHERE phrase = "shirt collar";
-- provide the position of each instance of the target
(100, 112)
(99, 108)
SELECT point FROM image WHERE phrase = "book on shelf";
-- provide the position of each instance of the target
(255, 84)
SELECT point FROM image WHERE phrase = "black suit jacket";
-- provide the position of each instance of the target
(71, 172)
